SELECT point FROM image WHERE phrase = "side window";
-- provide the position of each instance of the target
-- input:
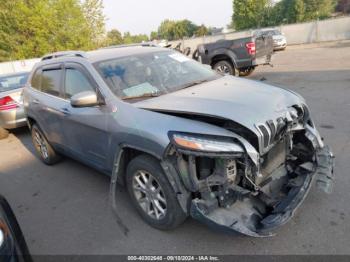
(76, 82)
(35, 82)
(51, 81)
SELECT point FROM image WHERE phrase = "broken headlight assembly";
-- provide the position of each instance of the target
(212, 144)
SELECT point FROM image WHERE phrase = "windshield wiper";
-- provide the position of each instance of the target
(196, 83)
(153, 94)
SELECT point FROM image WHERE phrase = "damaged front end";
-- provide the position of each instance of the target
(227, 184)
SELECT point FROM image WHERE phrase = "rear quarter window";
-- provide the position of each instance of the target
(35, 81)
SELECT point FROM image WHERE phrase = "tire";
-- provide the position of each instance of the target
(45, 151)
(146, 166)
(3, 133)
(195, 55)
(224, 67)
(246, 72)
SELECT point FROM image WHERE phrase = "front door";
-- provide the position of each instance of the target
(85, 128)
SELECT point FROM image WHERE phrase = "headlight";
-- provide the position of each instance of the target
(206, 144)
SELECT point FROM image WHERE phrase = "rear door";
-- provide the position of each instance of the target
(86, 128)
(46, 102)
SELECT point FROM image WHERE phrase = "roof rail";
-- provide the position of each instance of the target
(147, 44)
(64, 53)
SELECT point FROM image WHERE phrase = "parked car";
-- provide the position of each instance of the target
(279, 39)
(13, 247)
(236, 57)
(186, 141)
(11, 106)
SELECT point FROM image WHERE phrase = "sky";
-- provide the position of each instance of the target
(144, 16)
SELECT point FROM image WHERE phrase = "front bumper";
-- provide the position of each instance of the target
(278, 45)
(242, 217)
(14, 118)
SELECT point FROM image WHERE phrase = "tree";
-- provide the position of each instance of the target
(264, 13)
(248, 13)
(7, 28)
(184, 28)
(202, 31)
(343, 6)
(32, 28)
(93, 12)
(154, 35)
(130, 39)
(173, 30)
(114, 37)
(318, 9)
(166, 29)
(292, 11)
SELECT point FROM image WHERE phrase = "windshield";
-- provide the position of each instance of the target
(152, 74)
(11, 82)
(273, 32)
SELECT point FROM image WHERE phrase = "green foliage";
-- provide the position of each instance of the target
(166, 29)
(173, 30)
(249, 13)
(263, 13)
(153, 35)
(130, 39)
(32, 28)
(318, 9)
(93, 13)
(202, 31)
(114, 37)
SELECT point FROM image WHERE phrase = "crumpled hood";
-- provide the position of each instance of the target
(244, 101)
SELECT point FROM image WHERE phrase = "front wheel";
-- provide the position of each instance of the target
(224, 67)
(152, 194)
(43, 148)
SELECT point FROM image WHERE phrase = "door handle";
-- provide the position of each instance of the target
(65, 111)
(36, 101)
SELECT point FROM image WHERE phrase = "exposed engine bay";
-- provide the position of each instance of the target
(234, 191)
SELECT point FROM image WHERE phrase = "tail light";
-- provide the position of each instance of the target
(7, 103)
(251, 48)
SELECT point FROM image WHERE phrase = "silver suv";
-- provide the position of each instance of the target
(233, 153)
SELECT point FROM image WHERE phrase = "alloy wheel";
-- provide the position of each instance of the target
(223, 69)
(149, 195)
(40, 144)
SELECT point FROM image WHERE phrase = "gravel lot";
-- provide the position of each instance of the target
(65, 209)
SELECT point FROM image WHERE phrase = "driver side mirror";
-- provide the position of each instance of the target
(85, 99)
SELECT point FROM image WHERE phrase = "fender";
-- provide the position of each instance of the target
(224, 51)
(169, 171)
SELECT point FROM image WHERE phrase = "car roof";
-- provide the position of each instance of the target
(98, 55)
(116, 52)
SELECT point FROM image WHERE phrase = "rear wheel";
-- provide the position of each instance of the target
(224, 67)
(3, 133)
(43, 148)
(152, 194)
